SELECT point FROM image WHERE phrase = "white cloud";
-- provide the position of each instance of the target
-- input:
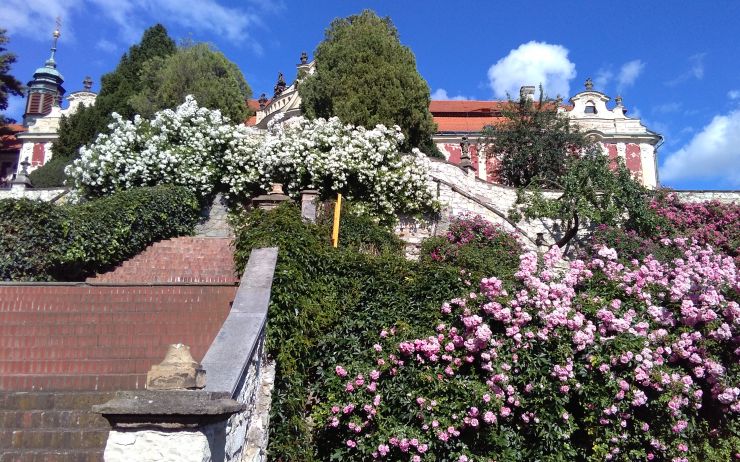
(131, 17)
(713, 153)
(603, 77)
(733, 94)
(533, 63)
(36, 18)
(629, 73)
(695, 71)
(441, 94)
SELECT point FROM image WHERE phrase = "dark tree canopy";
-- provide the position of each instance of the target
(198, 70)
(534, 143)
(539, 148)
(366, 77)
(9, 85)
(118, 87)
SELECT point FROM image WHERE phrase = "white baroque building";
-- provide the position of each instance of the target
(460, 125)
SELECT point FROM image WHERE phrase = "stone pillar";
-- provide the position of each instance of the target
(309, 199)
(171, 420)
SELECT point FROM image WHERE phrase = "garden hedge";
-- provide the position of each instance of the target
(40, 241)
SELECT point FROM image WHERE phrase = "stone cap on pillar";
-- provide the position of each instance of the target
(168, 408)
(272, 199)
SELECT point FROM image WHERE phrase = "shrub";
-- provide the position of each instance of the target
(79, 240)
(26, 228)
(327, 304)
(475, 245)
(712, 222)
(182, 147)
(628, 244)
(602, 361)
(51, 174)
(361, 232)
(107, 231)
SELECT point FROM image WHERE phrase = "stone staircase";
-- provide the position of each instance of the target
(51, 426)
(66, 347)
(187, 259)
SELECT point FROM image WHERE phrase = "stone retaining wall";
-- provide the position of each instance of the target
(459, 192)
(41, 194)
(727, 197)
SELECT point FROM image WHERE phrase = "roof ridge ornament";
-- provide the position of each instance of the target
(589, 84)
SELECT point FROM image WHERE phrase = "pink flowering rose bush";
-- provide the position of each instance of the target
(475, 244)
(712, 222)
(604, 360)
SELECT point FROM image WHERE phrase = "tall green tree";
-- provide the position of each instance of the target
(537, 148)
(9, 85)
(534, 143)
(116, 90)
(198, 70)
(118, 87)
(592, 191)
(365, 76)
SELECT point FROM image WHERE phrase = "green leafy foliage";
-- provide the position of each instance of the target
(533, 144)
(118, 87)
(195, 69)
(360, 231)
(366, 77)
(79, 240)
(51, 174)
(593, 192)
(479, 247)
(329, 305)
(116, 90)
(28, 227)
(9, 85)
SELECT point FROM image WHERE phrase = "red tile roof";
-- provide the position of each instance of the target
(466, 116)
(481, 107)
(8, 140)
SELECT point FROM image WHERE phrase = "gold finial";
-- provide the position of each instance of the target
(57, 31)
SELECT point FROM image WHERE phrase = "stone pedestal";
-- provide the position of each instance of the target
(178, 371)
(167, 426)
(272, 199)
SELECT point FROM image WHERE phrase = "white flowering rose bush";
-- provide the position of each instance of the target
(182, 146)
(362, 164)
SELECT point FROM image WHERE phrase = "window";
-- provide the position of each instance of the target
(590, 108)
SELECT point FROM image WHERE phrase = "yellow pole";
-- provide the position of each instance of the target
(335, 229)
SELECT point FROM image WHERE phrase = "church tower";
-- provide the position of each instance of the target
(45, 91)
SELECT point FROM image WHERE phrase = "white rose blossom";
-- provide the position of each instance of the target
(198, 148)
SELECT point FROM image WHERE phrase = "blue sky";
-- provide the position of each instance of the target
(676, 63)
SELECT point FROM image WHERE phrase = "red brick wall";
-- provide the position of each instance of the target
(101, 338)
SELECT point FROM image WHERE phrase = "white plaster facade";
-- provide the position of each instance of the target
(288, 102)
(635, 143)
(43, 131)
